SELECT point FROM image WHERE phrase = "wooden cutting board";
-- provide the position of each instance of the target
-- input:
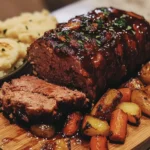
(13, 137)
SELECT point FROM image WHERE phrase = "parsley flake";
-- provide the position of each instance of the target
(133, 32)
(105, 11)
(98, 36)
(27, 27)
(98, 42)
(121, 22)
(87, 28)
(123, 16)
(4, 31)
(60, 45)
(66, 32)
(128, 28)
(100, 22)
(86, 38)
(80, 42)
(3, 49)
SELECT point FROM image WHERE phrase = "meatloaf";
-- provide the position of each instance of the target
(94, 51)
(34, 100)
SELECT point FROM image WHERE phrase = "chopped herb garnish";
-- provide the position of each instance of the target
(111, 29)
(98, 36)
(87, 28)
(60, 45)
(30, 20)
(105, 11)
(67, 39)
(3, 49)
(4, 31)
(100, 22)
(26, 27)
(80, 42)
(65, 32)
(98, 42)
(86, 38)
(59, 33)
(133, 32)
(128, 28)
(123, 16)
(121, 22)
(38, 34)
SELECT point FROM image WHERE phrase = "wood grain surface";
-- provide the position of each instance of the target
(13, 137)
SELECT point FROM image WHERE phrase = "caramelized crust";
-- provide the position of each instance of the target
(94, 51)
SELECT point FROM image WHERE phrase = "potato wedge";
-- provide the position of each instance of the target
(133, 83)
(62, 144)
(42, 130)
(98, 143)
(92, 126)
(142, 99)
(144, 74)
(118, 126)
(107, 104)
(132, 110)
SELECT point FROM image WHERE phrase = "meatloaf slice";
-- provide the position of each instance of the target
(34, 100)
(92, 52)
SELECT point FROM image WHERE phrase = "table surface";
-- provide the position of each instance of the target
(141, 7)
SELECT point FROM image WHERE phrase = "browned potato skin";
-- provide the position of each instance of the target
(147, 90)
(142, 99)
(107, 104)
(92, 126)
(145, 73)
(42, 130)
(132, 110)
(133, 84)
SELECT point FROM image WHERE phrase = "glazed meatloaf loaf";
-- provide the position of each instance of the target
(94, 51)
(34, 100)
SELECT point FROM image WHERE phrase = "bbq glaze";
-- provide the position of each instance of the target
(109, 43)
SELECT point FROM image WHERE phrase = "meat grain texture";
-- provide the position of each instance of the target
(94, 51)
(34, 100)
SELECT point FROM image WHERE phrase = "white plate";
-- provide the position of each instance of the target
(141, 7)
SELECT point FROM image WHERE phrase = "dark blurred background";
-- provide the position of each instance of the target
(9, 8)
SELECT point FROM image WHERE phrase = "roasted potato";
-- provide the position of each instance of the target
(133, 83)
(144, 74)
(62, 144)
(142, 99)
(93, 126)
(42, 130)
(147, 90)
(118, 126)
(132, 110)
(107, 104)
(98, 143)
(72, 124)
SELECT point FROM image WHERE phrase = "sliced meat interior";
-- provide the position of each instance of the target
(34, 100)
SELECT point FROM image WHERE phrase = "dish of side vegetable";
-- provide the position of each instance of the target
(108, 118)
